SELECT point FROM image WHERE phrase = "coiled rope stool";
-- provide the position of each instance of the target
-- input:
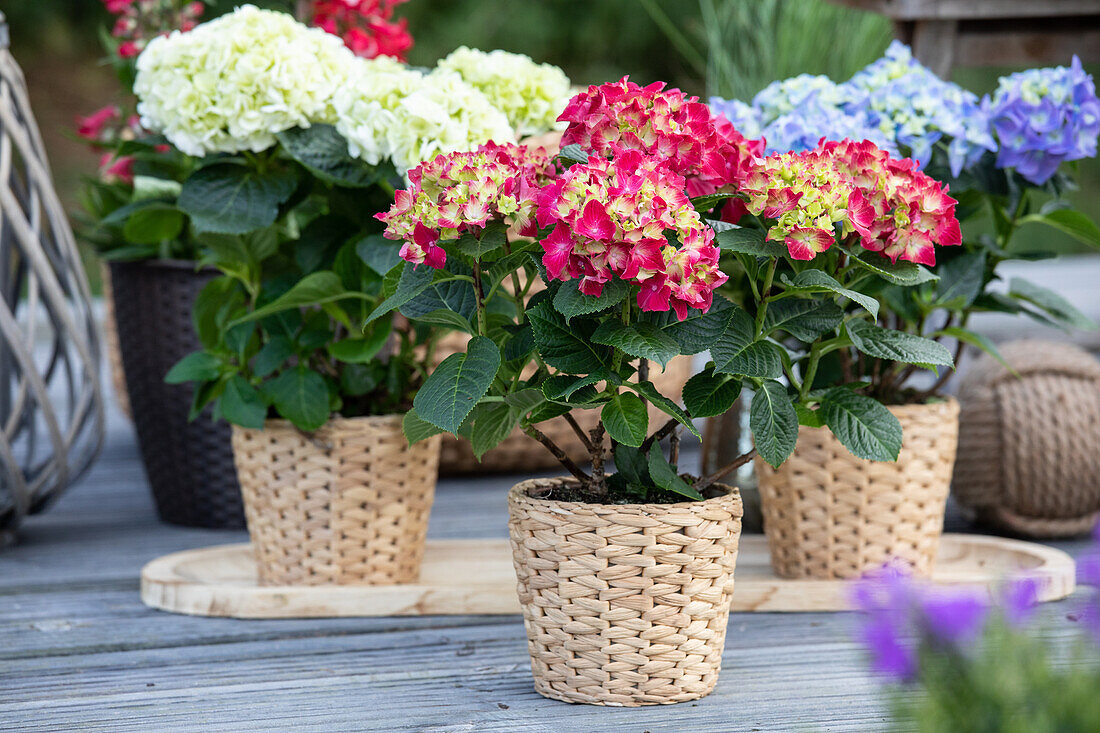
(1028, 458)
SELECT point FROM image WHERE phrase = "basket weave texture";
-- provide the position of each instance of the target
(624, 604)
(189, 463)
(828, 514)
(1028, 458)
(519, 453)
(346, 505)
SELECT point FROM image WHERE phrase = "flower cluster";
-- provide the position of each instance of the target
(893, 207)
(137, 21)
(231, 84)
(614, 218)
(667, 123)
(367, 26)
(462, 192)
(532, 95)
(1044, 117)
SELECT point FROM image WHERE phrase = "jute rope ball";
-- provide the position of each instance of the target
(345, 505)
(830, 515)
(624, 604)
(51, 405)
(1029, 445)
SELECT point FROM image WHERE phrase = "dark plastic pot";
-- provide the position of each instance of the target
(189, 464)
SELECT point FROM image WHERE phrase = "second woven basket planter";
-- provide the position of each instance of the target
(828, 514)
(624, 604)
(345, 505)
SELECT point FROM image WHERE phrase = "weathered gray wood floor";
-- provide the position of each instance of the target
(79, 652)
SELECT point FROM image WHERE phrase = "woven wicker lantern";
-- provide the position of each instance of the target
(1028, 460)
(51, 406)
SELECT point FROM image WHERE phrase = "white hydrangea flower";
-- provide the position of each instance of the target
(231, 84)
(532, 95)
(365, 105)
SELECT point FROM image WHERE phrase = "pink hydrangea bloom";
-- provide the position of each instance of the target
(462, 192)
(704, 148)
(629, 217)
(891, 206)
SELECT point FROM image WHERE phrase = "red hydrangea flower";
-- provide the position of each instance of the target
(367, 26)
(630, 217)
(462, 192)
(893, 208)
(681, 130)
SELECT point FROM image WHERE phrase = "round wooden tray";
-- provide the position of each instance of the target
(476, 577)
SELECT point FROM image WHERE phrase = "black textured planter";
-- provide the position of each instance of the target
(189, 464)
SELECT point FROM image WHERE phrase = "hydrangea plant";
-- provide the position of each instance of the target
(623, 279)
(1005, 158)
(981, 665)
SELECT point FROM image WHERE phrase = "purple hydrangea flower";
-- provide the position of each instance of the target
(1044, 117)
(955, 618)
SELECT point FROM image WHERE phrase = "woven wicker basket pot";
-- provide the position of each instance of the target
(1028, 457)
(624, 604)
(346, 505)
(828, 514)
(189, 463)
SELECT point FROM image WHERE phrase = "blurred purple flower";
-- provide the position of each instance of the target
(955, 618)
(1021, 598)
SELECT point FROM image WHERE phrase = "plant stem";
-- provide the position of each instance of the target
(706, 482)
(658, 436)
(763, 310)
(558, 453)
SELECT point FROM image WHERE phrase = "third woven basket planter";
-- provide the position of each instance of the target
(624, 604)
(345, 505)
(828, 514)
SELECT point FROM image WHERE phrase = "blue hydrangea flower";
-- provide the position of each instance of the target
(803, 129)
(789, 95)
(1043, 117)
(745, 118)
(917, 109)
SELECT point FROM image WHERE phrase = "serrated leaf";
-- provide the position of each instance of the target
(314, 289)
(324, 152)
(1072, 222)
(491, 426)
(818, 281)
(774, 423)
(416, 429)
(626, 419)
(241, 404)
(898, 273)
(568, 348)
(699, 330)
(885, 343)
(737, 352)
(301, 396)
(412, 281)
(803, 318)
(571, 302)
(665, 405)
(863, 425)
(1050, 302)
(642, 340)
(226, 198)
(750, 242)
(961, 280)
(197, 366)
(452, 391)
(708, 394)
(664, 475)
